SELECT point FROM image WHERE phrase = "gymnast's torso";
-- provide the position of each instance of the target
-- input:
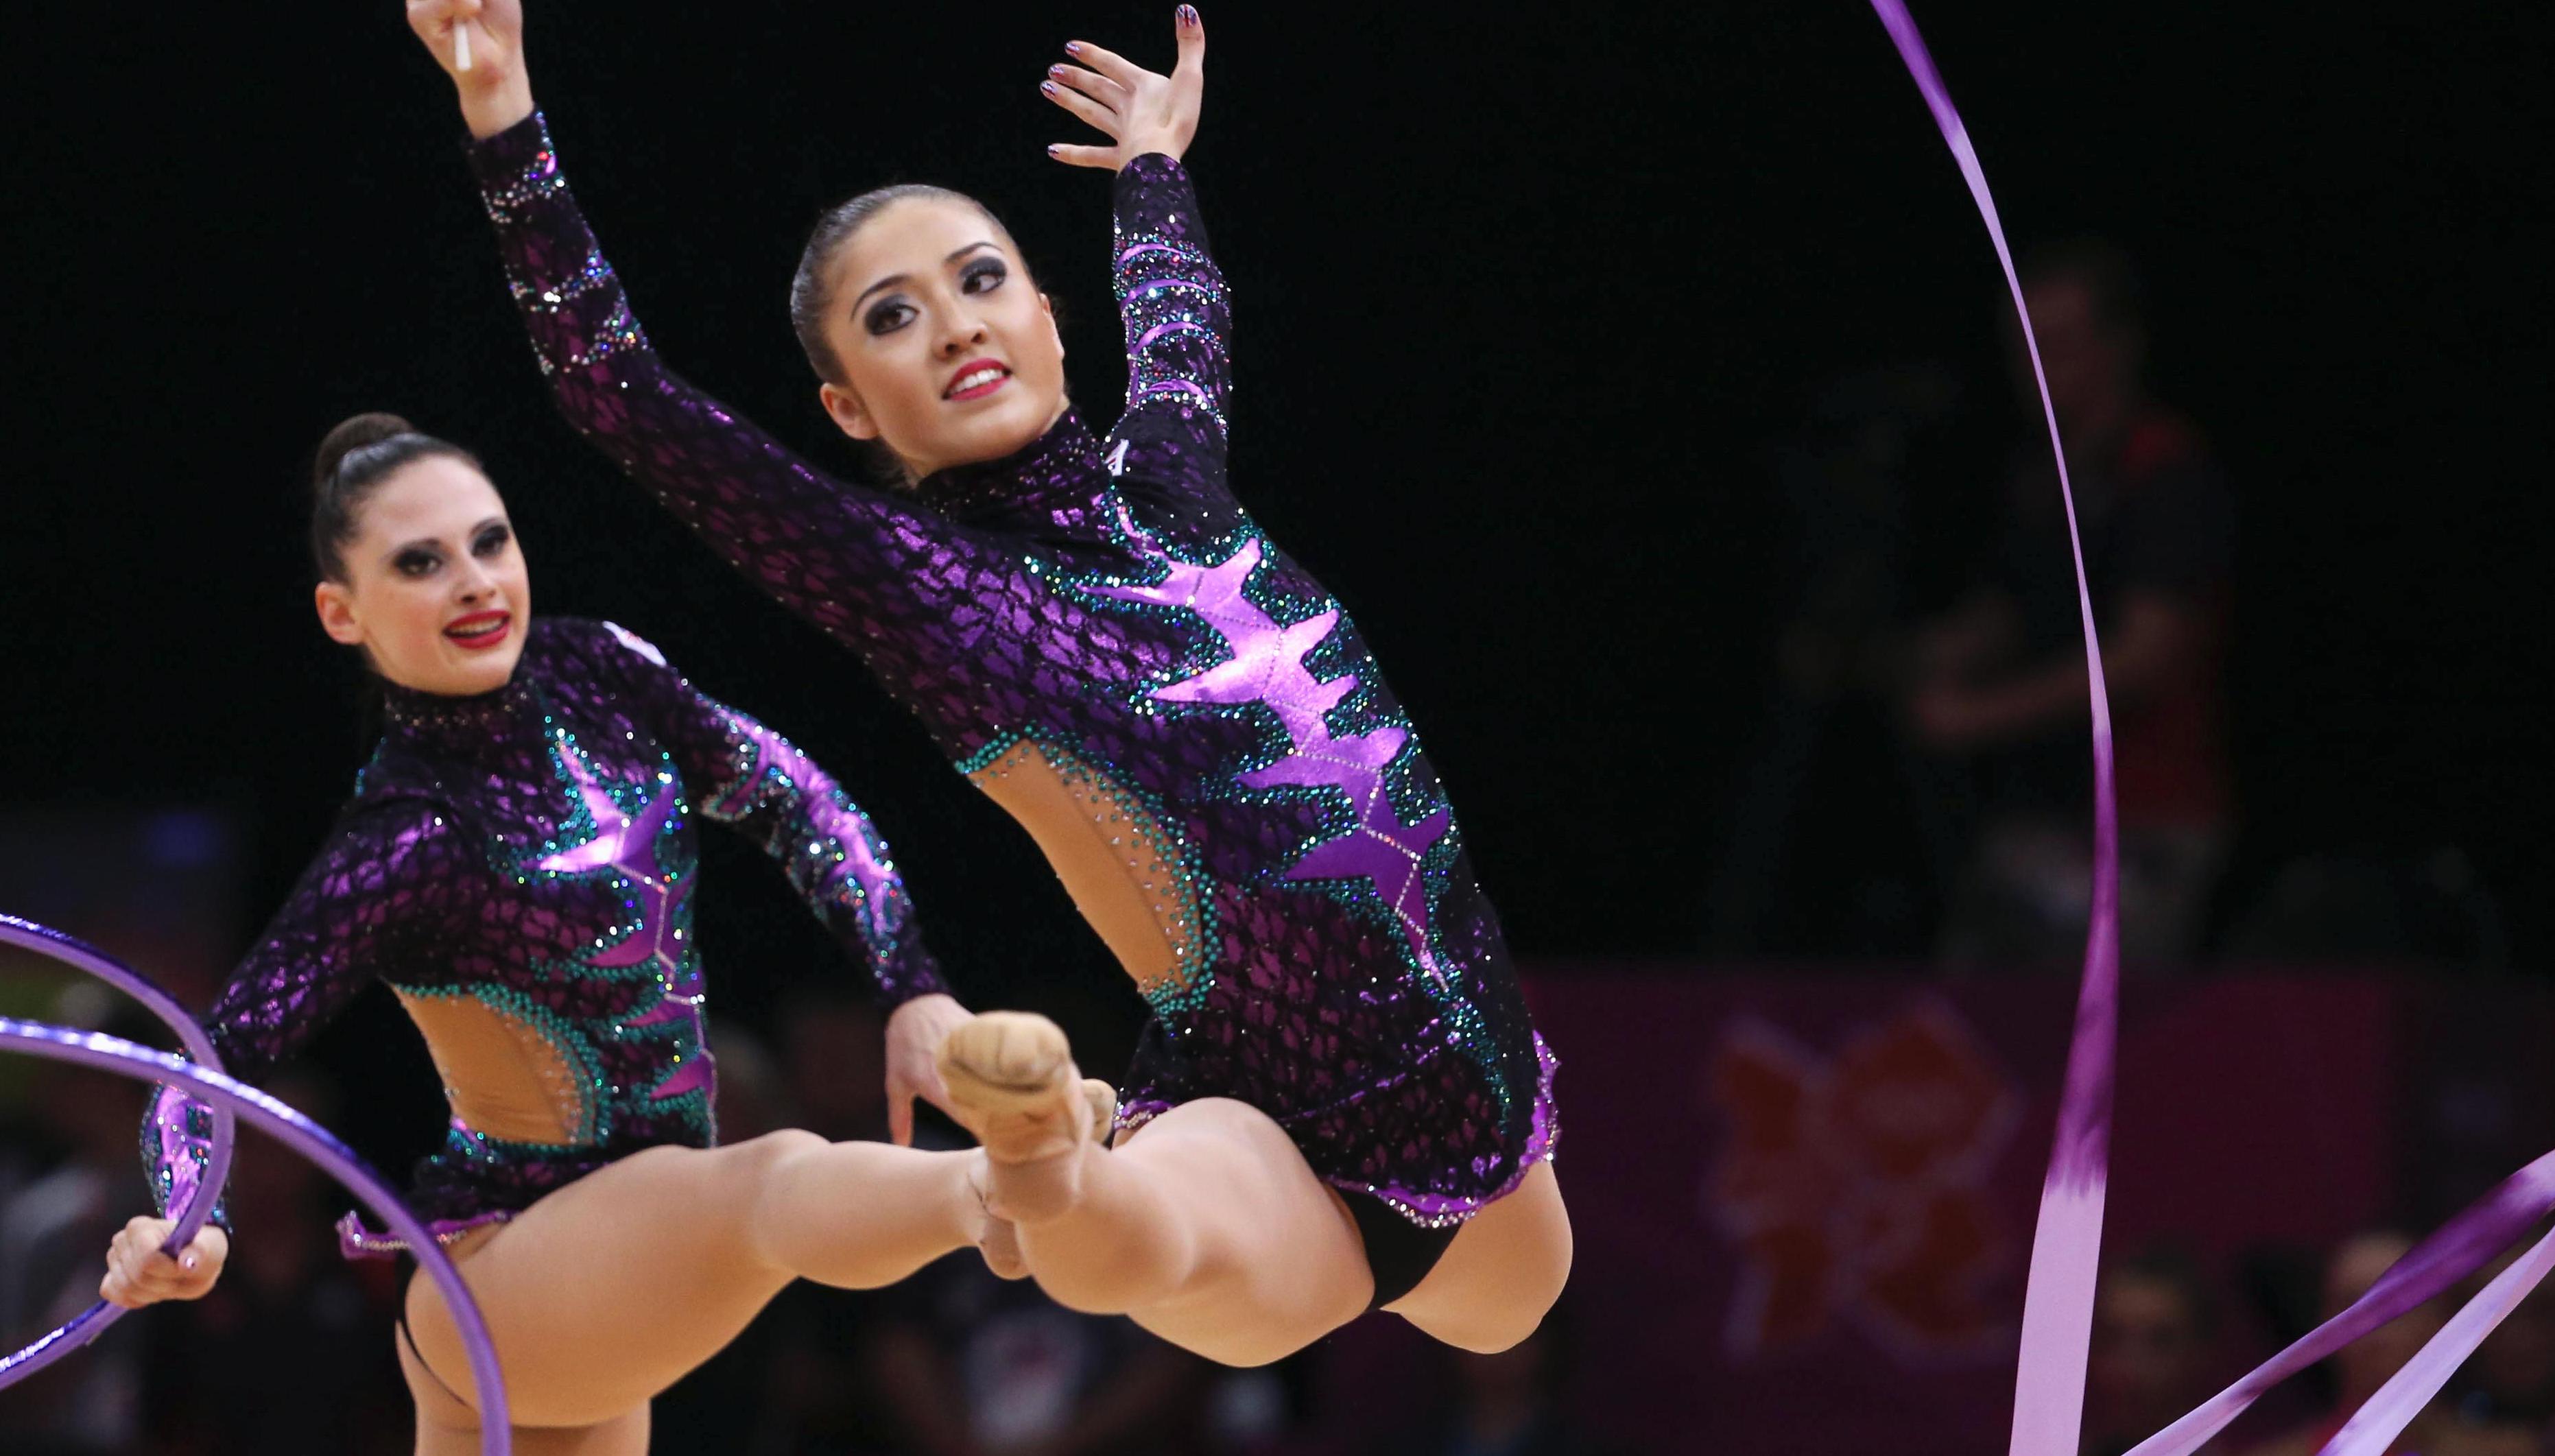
(518, 868)
(1102, 638)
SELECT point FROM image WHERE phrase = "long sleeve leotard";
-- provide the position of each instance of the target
(518, 868)
(1102, 638)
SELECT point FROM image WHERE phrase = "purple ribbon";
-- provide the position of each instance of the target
(94, 1321)
(312, 1142)
(2374, 1427)
(2067, 1247)
(2066, 1251)
(2454, 1250)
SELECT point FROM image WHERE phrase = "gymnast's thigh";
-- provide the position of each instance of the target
(448, 1427)
(609, 1290)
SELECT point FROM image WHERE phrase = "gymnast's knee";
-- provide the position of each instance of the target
(761, 1167)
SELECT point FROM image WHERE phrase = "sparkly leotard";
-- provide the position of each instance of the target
(518, 868)
(1104, 641)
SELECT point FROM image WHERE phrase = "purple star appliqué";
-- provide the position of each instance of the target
(1268, 667)
(626, 845)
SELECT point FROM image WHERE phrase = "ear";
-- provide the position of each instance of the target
(337, 614)
(847, 411)
(1048, 303)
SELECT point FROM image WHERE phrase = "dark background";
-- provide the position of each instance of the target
(1528, 304)
(1522, 300)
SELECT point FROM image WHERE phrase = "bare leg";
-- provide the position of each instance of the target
(1502, 1274)
(1207, 1226)
(610, 1289)
(448, 1427)
(1209, 1230)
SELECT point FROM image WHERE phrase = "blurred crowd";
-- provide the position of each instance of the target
(2163, 1343)
(1920, 782)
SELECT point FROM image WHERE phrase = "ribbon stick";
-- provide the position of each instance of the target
(84, 1327)
(315, 1143)
(2067, 1247)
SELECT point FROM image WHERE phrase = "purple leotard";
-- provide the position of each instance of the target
(518, 868)
(1099, 636)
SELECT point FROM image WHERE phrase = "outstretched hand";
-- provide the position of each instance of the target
(496, 90)
(915, 1032)
(1140, 110)
(137, 1272)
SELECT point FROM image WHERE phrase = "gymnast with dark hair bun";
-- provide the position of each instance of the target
(1340, 1102)
(517, 863)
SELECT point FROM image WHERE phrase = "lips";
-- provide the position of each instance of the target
(480, 631)
(976, 379)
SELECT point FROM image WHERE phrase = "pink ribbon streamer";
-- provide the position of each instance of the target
(2067, 1247)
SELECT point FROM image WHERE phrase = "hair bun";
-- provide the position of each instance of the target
(349, 437)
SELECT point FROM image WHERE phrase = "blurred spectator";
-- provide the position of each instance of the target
(970, 1365)
(2156, 1330)
(1849, 478)
(292, 1351)
(2364, 1365)
(54, 1234)
(2511, 1378)
(2000, 685)
(1511, 1403)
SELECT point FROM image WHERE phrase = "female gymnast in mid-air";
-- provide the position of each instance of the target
(1339, 1102)
(518, 864)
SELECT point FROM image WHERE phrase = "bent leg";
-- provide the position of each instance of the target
(1502, 1274)
(1208, 1228)
(610, 1289)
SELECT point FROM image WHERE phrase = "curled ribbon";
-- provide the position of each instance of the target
(2067, 1247)
(2066, 1250)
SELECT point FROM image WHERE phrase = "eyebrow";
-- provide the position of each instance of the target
(429, 543)
(894, 279)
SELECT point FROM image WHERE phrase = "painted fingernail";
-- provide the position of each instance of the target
(1073, 47)
(1189, 15)
(1052, 151)
(1055, 70)
(1048, 87)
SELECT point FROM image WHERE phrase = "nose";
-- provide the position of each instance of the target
(963, 333)
(473, 583)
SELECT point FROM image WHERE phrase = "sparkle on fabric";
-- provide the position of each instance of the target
(532, 851)
(1110, 603)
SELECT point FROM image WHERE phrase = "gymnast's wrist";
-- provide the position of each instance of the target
(492, 109)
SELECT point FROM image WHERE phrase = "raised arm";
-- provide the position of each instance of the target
(875, 573)
(1171, 296)
(742, 774)
(383, 871)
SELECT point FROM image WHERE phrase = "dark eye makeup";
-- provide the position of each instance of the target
(982, 275)
(887, 316)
